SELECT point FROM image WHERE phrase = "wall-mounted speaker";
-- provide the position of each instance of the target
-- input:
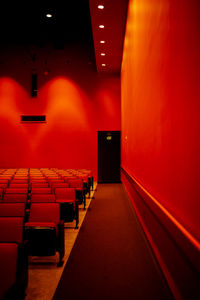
(33, 118)
(34, 85)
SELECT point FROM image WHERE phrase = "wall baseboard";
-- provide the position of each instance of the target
(176, 250)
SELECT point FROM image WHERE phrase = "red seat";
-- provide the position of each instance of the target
(18, 185)
(59, 185)
(65, 193)
(41, 191)
(15, 198)
(16, 191)
(13, 258)
(43, 198)
(39, 184)
(11, 229)
(51, 181)
(77, 184)
(12, 209)
(70, 177)
(68, 205)
(4, 181)
(19, 180)
(38, 180)
(45, 230)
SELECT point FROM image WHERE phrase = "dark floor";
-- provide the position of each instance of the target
(111, 258)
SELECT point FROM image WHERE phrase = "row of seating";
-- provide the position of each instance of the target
(34, 204)
(65, 197)
(41, 235)
(13, 258)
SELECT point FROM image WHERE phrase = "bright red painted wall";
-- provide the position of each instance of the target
(76, 100)
(161, 104)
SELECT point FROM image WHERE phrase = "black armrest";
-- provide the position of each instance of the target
(77, 212)
(61, 241)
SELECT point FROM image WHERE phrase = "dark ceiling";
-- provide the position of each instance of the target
(73, 23)
(26, 23)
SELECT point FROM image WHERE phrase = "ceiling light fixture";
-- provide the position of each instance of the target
(101, 26)
(102, 42)
(103, 54)
(103, 65)
(49, 15)
(100, 7)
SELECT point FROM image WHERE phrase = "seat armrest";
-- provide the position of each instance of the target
(61, 241)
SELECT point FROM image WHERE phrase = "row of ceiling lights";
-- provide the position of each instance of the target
(100, 26)
(102, 41)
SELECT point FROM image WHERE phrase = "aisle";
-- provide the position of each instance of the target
(111, 258)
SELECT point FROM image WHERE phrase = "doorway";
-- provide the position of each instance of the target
(109, 156)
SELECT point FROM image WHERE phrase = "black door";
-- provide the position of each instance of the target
(109, 156)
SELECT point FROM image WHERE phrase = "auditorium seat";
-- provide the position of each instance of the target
(39, 184)
(4, 181)
(55, 185)
(15, 198)
(43, 198)
(19, 180)
(18, 185)
(12, 210)
(85, 179)
(13, 259)
(45, 231)
(42, 190)
(16, 191)
(69, 209)
(77, 184)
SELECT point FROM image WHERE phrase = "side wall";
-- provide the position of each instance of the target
(160, 126)
(76, 100)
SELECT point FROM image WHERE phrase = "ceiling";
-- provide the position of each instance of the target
(72, 22)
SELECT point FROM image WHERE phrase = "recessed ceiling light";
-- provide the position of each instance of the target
(49, 15)
(102, 42)
(100, 7)
(103, 65)
(101, 26)
(103, 54)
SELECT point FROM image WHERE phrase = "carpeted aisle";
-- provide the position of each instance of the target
(111, 258)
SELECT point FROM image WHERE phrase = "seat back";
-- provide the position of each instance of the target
(39, 184)
(45, 212)
(43, 198)
(59, 185)
(12, 209)
(15, 198)
(4, 181)
(67, 178)
(19, 180)
(16, 190)
(65, 193)
(11, 229)
(41, 190)
(18, 185)
(76, 183)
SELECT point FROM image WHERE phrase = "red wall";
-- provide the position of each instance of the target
(76, 100)
(161, 104)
